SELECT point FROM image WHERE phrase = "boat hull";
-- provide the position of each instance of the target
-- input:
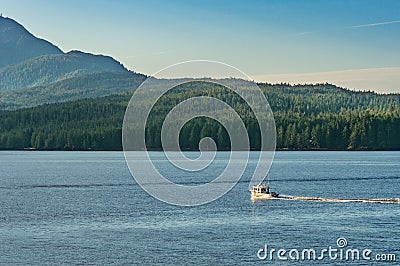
(261, 196)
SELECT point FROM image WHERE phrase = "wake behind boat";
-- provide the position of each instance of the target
(262, 192)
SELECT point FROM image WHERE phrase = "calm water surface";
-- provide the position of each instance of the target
(85, 208)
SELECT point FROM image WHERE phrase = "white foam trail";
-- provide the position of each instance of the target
(337, 200)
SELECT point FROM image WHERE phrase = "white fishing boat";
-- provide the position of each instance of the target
(262, 192)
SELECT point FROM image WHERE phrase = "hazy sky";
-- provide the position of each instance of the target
(269, 40)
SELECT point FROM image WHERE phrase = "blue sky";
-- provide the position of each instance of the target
(269, 40)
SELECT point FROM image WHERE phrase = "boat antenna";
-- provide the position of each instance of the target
(268, 179)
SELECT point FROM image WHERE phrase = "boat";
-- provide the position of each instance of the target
(262, 192)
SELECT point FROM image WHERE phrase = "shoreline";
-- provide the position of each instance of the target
(160, 150)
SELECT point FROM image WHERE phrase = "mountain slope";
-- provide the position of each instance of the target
(35, 72)
(47, 69)
(17, 44)
(86, 86)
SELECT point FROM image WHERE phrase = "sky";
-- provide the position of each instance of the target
(354, 44)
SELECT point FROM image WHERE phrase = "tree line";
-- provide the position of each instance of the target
(307, 117)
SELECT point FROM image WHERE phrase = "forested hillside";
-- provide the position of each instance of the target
(47, 69)
(307, 117)
(86, 86)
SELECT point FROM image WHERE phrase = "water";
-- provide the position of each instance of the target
(84, 208)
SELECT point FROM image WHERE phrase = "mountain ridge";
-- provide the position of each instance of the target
(17, 44)
(42, 73)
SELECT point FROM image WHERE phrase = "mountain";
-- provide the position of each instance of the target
(77, 101)
(17, 44)
(35, 72)
(47, 69)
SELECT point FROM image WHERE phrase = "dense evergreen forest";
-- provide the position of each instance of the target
(320, 116)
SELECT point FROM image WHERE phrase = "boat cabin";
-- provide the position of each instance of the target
(260, 189)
